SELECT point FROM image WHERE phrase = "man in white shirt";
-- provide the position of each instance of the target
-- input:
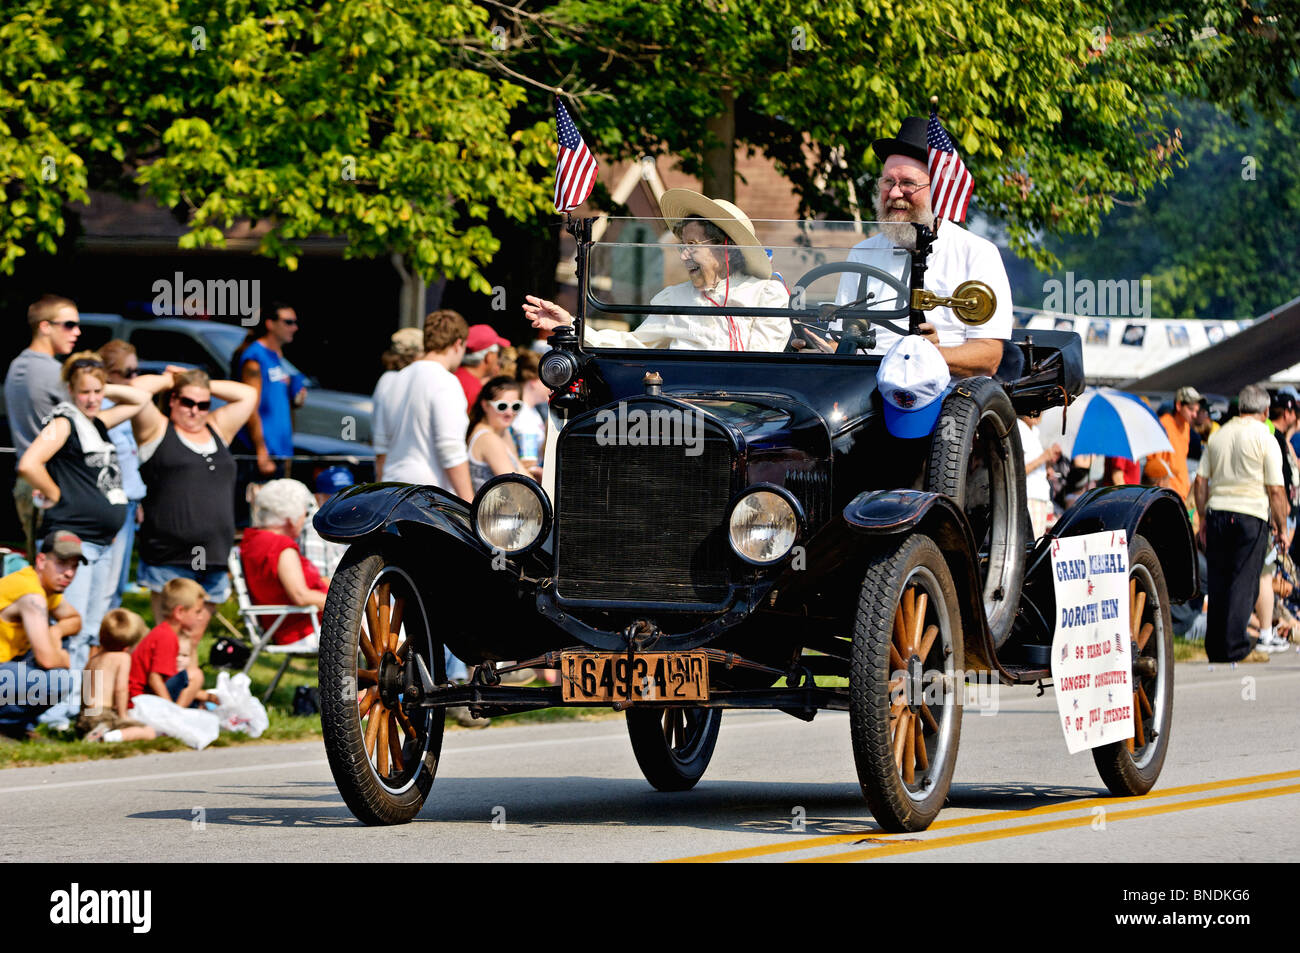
(726, 266)
(1239, 489)
(902, 198)
(425, 411)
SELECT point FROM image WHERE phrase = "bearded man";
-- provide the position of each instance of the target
(902, 198)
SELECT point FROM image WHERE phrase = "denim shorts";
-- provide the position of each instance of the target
(215, 582)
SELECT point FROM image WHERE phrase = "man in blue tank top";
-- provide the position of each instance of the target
(269, 432)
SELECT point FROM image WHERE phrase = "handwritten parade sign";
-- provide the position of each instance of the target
(1091, 665)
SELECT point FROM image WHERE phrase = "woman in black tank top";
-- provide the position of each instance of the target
(189, 513)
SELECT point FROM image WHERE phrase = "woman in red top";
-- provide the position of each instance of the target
(276, 571)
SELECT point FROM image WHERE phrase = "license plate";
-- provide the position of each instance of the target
(655, 676)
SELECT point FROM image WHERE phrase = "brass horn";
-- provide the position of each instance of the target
(973, 302)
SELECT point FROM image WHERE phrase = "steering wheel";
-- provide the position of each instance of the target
(847, 341)
(866, 271)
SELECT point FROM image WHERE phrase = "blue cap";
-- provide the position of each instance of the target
(912, 380)
(333, 479)
(913, 424)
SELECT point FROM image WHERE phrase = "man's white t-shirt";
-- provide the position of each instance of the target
(956, 256)
(424, 408)
(698, 333)
(379, 415)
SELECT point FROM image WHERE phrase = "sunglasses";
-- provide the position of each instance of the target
(66, 325)
(291, 322)
(203, 405)
(85, 362)
(503, 405)
(130, 373)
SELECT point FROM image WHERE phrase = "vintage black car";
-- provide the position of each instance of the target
(777, 548)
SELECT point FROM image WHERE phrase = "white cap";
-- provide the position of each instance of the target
(912, 380)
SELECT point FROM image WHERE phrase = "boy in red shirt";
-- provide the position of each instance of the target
(154, 668)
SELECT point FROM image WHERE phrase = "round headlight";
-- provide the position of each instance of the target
(763, 526)
(558, 369)
(509, 515)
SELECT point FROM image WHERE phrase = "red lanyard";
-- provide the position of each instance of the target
(733, 332)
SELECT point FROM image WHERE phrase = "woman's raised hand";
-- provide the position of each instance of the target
(545, 315)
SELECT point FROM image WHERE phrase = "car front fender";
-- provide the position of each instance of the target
(362, 510)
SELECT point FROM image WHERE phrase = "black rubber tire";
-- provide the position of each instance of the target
(397, 798)
(897, 806)
(1130, 773)
(977, 459)
(668, 766)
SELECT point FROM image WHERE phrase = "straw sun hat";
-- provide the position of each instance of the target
(678, 204)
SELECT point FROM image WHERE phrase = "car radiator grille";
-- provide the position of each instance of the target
(642, 524)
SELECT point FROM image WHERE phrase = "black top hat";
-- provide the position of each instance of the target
(910, 141)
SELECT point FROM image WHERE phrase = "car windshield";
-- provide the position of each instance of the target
(792, 286)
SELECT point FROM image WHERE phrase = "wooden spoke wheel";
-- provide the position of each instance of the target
(673, 746)
(383, 755)
(905, 700)
(1131, 767)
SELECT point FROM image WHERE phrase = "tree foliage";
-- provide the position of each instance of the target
(371, 121)
(1220, 239)
(1058, 110)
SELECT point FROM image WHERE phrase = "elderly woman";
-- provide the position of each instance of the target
(189, 524)
(726, 266)
(275, 569)
(74, 469)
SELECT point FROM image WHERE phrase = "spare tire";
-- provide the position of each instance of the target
(976, 458)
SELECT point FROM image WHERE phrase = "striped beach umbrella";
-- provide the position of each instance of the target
(1113, 423)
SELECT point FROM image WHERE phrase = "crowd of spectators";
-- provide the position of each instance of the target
(114, 463)
(1234, 466)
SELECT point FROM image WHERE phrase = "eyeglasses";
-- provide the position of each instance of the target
(203, 405)
(503, 405)
(906, 186)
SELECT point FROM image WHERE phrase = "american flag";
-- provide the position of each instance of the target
(575, 168)
(951, 183)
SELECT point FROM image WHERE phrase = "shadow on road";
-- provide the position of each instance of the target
(772, 807)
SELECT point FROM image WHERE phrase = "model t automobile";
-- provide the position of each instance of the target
(760, 541)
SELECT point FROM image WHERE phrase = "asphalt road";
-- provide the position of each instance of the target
(777, 790)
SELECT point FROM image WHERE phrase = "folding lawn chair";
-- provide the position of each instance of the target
(261, 638)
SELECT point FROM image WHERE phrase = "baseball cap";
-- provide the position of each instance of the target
(333, 479)
(483, 336)
(1281, 402)
(912, 380)
(1187, 395)
(63, 544)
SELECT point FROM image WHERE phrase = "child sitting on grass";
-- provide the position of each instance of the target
(104, 694)
(154, 668)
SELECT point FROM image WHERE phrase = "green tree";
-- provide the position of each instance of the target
(1054, 119)
(367, 120)
(1220, 238)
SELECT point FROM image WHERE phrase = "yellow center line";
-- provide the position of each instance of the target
(978, 837)
(808, 843)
